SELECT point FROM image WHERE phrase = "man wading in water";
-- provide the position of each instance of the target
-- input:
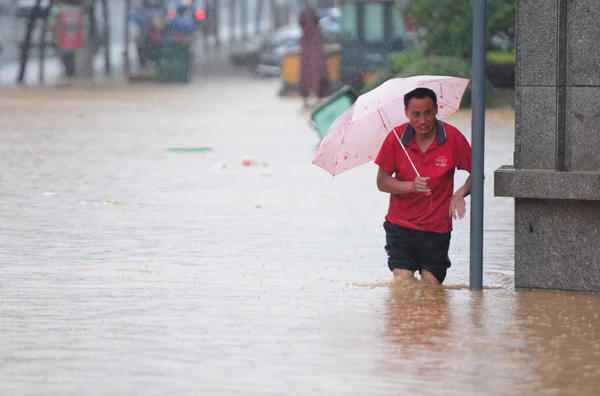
(419, 219)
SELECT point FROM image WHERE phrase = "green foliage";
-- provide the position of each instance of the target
(446, 66)
(400, 60)
(396, 63)
(501, 57)
(382, 76)
(413, 63)
(449, 24)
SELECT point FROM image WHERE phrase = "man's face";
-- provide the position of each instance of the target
(421, 114)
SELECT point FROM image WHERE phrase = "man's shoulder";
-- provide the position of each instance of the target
(452, 132)
(451, 129)
(398, 130)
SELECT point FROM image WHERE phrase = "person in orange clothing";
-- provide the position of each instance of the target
(419, 219)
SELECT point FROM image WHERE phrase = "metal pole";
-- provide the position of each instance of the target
(478, 143)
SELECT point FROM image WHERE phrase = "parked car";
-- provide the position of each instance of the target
(265, 55)
(275, 47)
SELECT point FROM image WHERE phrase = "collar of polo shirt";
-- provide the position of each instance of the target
(409, 132)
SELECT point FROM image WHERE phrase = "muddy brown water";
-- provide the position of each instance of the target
(130, 269)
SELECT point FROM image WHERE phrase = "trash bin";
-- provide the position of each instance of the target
(174, 60)
(323, 117)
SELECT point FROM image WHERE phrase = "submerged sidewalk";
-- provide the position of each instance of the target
(238, 116)
(209, 62)
(53, 70)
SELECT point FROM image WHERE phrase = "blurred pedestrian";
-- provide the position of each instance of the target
(182, 26)
(313, 61)
(67, 56)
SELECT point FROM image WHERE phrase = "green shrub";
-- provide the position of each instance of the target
(396, 62)
(501, 57)
(446, 66)
(400, 60)
(382, 76)
(449, 23)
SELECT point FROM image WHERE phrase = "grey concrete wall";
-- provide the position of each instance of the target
(558, 85)
(557, 242)
(555, 177)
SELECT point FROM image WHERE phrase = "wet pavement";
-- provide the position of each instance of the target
(131, 269)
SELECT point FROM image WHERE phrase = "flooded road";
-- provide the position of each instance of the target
(128, 268)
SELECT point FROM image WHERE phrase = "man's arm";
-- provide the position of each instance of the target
(389, 184)
(465, 190)
(458, 207)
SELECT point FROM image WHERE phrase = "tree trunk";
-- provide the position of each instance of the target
(127, 37)
(106, 38)
(41, 76)
(25, 46)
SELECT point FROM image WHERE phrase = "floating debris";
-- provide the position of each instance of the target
(249, 161)
(190, 149)
(219, 166)
(111, 202)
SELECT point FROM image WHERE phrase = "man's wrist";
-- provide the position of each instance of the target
(461, 192)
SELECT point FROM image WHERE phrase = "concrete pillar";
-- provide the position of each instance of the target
(260, 7)
(126, 38)
(232, 21)
(85, 57)
(280, 14)
(244, 19)
(216, 21)
(555, 178)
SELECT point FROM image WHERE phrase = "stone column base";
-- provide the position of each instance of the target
(557, 227)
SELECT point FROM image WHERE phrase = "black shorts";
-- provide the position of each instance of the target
(415, 250)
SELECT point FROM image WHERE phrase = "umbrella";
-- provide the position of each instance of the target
(356, 135)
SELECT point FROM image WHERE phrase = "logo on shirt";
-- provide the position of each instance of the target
(441, 161)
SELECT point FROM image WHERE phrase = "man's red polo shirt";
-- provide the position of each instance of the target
(449, 150)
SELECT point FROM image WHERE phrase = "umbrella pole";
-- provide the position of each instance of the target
(478, 142)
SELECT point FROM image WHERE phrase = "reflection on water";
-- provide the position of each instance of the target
(418, 317)
(561, 341)
(499, 342)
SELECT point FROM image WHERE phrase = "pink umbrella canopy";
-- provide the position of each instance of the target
(356, 136)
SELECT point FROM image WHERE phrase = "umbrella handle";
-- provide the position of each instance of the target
(397, 137)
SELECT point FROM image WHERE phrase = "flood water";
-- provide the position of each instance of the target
(131, 269)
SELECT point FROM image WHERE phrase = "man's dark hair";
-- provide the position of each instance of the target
(420, 93)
